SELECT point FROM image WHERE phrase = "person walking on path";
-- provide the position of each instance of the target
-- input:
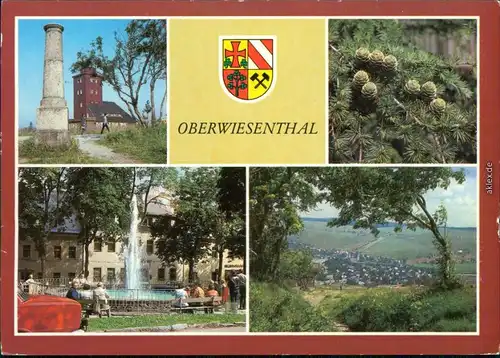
(234, 290)
(242, 281)
(83, 122)
(105, 123)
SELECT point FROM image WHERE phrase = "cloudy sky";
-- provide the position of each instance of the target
(461, 202)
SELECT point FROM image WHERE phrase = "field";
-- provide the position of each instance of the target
(405, 245)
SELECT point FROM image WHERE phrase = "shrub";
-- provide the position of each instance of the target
(278, 309)
(422, 311)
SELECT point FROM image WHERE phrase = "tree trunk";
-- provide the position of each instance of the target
(445, 261)
(86, 259)
(191, 271)
(162, 105)
(42, 264)
(221, 262)
(152, 85)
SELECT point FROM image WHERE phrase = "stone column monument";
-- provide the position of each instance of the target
(52, 115)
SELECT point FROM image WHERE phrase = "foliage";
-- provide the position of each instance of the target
(276, 197)
(33, 153)
(41, 192)
(368, 197)
(137, 60)
(278, 309)
(391, 102)
(386, 310)
(297, 266)
(231, 196)
(146, 321)
(190, 235)
(99, 200)
(147, 145)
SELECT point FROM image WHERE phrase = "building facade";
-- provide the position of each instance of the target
(65, 257)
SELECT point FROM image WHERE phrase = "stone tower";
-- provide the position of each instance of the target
(87, 89)
(52, 115)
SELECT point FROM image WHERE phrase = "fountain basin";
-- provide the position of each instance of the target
(140, 295)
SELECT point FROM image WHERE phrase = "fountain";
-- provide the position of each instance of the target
(133, 251)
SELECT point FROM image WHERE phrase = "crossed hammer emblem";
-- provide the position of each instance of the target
(260, 82)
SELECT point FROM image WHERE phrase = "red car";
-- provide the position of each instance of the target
(47, 314)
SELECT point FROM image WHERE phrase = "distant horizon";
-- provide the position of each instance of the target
(387, 224)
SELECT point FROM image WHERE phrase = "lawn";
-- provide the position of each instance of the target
(102, 324)
(31, 153)
(148, 145)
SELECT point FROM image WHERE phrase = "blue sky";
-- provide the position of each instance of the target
(77, 36)
(460, 201)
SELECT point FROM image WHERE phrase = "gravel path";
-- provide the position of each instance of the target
(88, 144)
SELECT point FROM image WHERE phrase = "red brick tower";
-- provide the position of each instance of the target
(87, 89)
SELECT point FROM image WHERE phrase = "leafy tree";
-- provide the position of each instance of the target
(391, 102)
(189, 236)
(99, 199)
(276, 197)
(371, 196)
(146, 179)
(41, 192)
(231, 196)
(297, 266)
(133, 63)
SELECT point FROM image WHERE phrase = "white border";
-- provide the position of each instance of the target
(386, 334)
(274, 66)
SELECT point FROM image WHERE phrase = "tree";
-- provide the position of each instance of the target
(154, 41)
(189, 236)
(231, 196)
(41, 194)
(132, 64)
(146, 179)
(391, 102)
(371, 196)
(277, 195)
(236, 82)
(99, 199)
(297, 266)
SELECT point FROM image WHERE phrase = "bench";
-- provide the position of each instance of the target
(204, 303)
(88, 307)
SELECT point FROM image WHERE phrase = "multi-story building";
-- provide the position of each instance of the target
(65, 258)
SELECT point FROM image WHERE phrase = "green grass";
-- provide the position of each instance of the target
(402, 310)
(407, 244)
(32, 153)
(101, 324)
(148, 145)
(278, 309)
(460, 268)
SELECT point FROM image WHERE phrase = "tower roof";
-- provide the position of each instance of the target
(88, 71)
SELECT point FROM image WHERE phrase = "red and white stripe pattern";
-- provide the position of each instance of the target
(260, 54)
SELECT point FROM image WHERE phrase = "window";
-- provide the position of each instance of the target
(161, 274)
(39, 275)
(57, 252)
(26, 251)
(97, 245)
(110, 275)
(172, 274)
(81, 104)
(72, 252)
(161, 245)
(149, 247)
(97, 274)
(56, 275)
(71, 276)
(111, 245)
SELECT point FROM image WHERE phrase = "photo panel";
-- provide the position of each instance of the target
(355, 249)
(91, 91)
(252, 91)
(403, 90)
(131, 249)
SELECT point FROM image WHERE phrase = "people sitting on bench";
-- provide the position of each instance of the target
(73, 293)
(180, 295)
(86, 293)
